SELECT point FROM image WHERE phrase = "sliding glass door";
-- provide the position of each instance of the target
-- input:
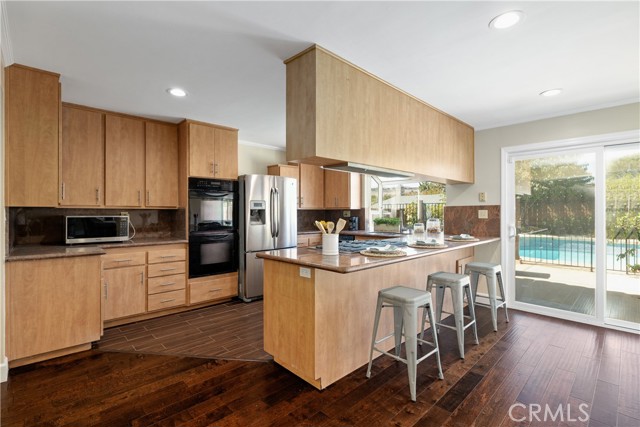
(571, 244)
(622, 187)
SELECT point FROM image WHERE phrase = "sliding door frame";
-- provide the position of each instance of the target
(509, 155)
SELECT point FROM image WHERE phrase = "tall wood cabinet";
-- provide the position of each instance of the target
(161, 161)
(82, 157)
(53, 305)
(32, 126)
(124, 161)
(212, 151)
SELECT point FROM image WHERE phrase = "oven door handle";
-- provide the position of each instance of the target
(211, 239)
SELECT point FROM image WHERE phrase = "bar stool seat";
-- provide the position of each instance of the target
(492, 273)
(459, 286)
(405, 303)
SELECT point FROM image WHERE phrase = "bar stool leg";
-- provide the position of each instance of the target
(472, 313)
(491, 287)
(474, 277)
(458, 314)
(398, 314)
(504, 296)
(439, 302)
(375, 332)
(435, 339)
(410, 345)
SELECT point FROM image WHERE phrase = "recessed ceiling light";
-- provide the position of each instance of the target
(176, 91)
(506, 20)
(551, 92)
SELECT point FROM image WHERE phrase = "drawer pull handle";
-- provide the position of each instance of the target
(215, 290)
(167, 300)
(168, 284)
(168, 269)
(168, 256)
(124, 260)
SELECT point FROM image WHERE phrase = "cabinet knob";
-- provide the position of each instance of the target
(98, 196)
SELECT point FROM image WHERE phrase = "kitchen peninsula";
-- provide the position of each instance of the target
(319, 310)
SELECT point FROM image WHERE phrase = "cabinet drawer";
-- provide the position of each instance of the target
(225, 286)
(166, 283)
(167, 255)
(303, 241)
(123, 259)
(166, 269)
(166, 300)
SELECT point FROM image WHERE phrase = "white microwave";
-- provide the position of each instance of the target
(96, 229)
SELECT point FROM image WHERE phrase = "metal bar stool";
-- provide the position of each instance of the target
(458, 284)
(493, 274)
(405, 302)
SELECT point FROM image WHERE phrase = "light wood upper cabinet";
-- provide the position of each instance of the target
(124, 161)
(339, 112)
(226, 154)
(290, 171)
(161, 165)
(311, 187)
(82, 157)
(52, 304)
(342, 190)
(212, 150)
(32, 128)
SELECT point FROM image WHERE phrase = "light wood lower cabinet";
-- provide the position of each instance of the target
(167, 278)
(53, 305)
(305, 240)
(211, 288)
(125, 292)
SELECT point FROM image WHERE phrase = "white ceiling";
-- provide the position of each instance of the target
(122, 56)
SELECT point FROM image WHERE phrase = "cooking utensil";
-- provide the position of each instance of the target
(320, 227)
(330, 226)
(340, 225)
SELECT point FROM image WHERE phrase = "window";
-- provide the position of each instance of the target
(410, 200)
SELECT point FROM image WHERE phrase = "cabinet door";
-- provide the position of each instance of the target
(161, 165)
(341, 190)
(124, 161)
(226, 154)
(32, 108)
(311, 187)
(290, 171)
(201, 150)
(125, 292)
(52, 304)
(82, 158)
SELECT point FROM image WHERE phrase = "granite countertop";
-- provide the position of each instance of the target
(35, 252)
(347, 263)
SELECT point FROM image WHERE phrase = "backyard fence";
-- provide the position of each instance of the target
(622, 254)
(424, 211)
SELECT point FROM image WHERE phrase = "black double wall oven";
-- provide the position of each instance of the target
(213, 226)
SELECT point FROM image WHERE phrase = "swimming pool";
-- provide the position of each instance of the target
(577, 251)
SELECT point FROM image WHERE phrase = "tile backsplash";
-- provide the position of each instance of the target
(307, 217)
(46, 225)
(464, 219)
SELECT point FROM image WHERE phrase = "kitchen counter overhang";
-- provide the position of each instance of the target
(349, 262)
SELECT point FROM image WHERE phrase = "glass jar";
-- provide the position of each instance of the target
(434, 231)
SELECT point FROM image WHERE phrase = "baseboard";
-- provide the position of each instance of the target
(4, 370)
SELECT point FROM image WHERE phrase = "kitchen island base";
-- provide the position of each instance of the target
(318, 322)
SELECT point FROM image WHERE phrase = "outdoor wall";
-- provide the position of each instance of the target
(489, 142)
(254, 158)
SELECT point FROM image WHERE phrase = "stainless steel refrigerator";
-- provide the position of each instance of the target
(268, 221)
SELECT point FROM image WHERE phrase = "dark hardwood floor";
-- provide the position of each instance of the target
(532, 362)
(231, 330)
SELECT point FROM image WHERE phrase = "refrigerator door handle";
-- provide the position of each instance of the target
(277, 211)
(272, 224)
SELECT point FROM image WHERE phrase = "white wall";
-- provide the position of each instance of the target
(489, 142)
(254, 158)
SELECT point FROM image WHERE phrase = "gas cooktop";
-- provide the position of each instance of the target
(354, 246)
